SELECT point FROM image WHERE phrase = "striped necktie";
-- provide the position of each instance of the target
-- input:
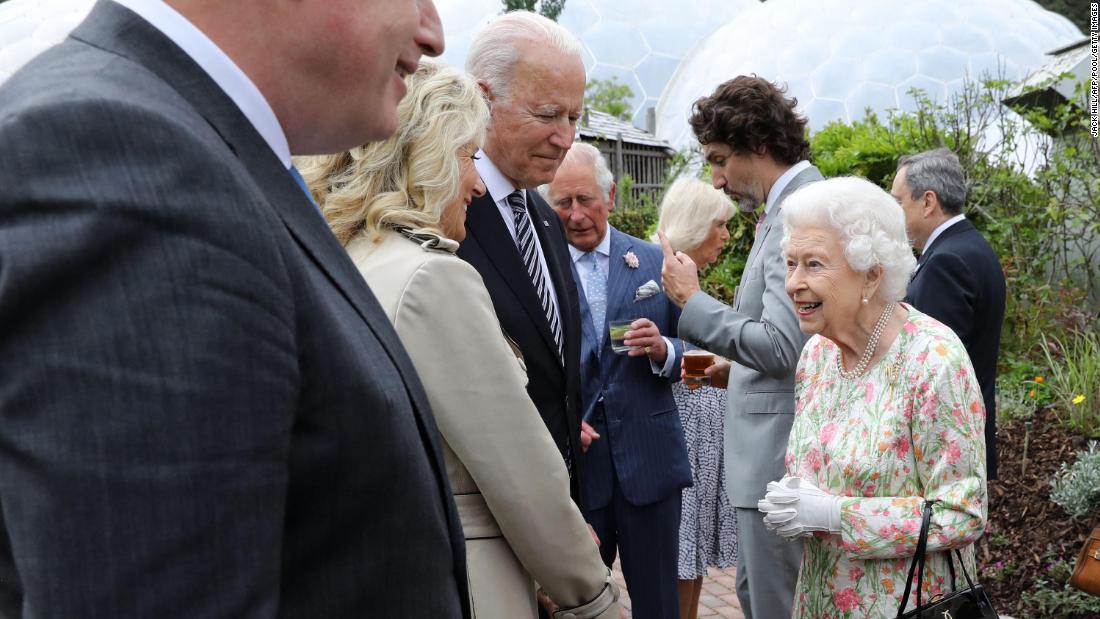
(525, 242)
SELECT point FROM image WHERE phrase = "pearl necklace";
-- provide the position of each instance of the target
(872, 344)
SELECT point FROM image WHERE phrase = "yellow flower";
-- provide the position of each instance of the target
(1078, 399)
(1031, 394)
(1039, 379)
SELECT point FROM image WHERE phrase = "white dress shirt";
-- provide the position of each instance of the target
(499, 188)
(220, 67)
(938, 231)
(781, 184)
(603, 258)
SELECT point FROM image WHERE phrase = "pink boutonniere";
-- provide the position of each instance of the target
(630, 259)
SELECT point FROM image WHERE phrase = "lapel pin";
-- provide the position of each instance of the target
(546, 223)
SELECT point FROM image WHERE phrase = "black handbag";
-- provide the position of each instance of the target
(970, 602)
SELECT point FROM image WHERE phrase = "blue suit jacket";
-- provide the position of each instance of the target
(642, 442)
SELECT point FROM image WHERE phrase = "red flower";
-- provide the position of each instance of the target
(846, 599)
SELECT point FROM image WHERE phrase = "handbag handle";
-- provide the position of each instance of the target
(918, 559)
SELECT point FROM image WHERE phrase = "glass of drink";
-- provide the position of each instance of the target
(696, 363)
(618, 329)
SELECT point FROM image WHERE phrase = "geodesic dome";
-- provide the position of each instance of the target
(29, 27)
(639, 42)
(839, 57)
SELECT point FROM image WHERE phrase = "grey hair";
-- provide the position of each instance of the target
(688, 212)
(492, 57)
(940, 172)
(593, 157)
(869, 221)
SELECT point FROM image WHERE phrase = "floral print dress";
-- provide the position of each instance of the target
(910, 429)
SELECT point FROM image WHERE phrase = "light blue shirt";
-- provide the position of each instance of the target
(603, 257)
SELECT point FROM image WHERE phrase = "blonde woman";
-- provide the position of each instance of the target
(399, 208)
(693, 216)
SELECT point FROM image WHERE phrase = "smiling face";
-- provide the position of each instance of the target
(711, 247)
(532, 128)
(580, 203)
(827, 293)
(356, 53)
(453, 220)
(738, 175)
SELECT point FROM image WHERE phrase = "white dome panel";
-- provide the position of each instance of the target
(30, 27)
(850, 54)
(639, 41)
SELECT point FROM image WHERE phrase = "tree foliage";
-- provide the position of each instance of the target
(1042, 221)
(608, 96)
(547, 8)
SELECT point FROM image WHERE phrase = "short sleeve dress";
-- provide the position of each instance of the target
(708, 522)
(910, 429)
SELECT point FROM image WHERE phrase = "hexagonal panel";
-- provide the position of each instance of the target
(932, 44)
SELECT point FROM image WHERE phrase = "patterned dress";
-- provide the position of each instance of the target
(911, 428)
(708, 523)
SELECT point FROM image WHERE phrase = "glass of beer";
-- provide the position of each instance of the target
(696, 363)
(618, 329)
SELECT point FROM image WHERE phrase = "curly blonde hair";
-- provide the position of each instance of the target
(410, 178)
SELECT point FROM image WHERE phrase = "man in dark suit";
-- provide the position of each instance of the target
(635, 471)
(531, 72)
(204, 411)
(959, 280)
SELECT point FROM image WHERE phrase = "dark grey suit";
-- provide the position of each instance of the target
(204, 412)
(760, 333)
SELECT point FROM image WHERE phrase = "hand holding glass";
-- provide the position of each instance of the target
(617, 330)
(696, 363)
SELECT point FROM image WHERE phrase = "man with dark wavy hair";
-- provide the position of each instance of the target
(756, 146)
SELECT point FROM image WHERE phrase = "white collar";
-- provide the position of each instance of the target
(940, 228)
(782, 182)
(603, 249)
(498, 185)
(220, 67)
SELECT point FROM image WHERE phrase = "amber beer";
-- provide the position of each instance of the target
(696, 363)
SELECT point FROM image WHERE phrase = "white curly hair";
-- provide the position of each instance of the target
(869, 221)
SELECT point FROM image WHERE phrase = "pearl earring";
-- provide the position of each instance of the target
(865, 300)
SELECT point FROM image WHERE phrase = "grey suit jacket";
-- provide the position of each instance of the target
(760, 334)
(204, 412)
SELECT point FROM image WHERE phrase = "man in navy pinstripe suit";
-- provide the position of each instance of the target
(636, 462)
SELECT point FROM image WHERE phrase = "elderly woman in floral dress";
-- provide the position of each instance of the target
(888, 414)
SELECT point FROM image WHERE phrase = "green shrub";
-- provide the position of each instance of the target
(1075, 379)
(1015, 402)
(636, 212)
(1076, 489)
(1043, 224)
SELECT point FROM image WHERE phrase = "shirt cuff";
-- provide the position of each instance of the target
(664, 370)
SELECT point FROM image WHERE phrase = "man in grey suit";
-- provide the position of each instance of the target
(204, 411)
(755, 144)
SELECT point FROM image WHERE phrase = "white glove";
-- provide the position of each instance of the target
(794, 507)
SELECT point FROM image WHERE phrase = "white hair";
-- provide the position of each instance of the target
(869, 221)
(492, 57)
(593, 157)
(688, 212)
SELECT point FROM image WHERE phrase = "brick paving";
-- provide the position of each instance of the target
(718, 599)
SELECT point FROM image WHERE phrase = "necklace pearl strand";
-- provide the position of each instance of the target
(872, 344)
